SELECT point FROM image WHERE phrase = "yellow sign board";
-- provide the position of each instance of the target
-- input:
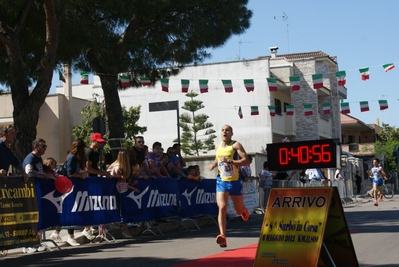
(294, 227)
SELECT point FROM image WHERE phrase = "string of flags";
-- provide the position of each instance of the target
(317, 80)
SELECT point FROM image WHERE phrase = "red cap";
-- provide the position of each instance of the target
(97, 137)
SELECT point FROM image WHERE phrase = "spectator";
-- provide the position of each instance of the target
(198, 171)
(33, 162)
(107, 160)
(49, 165)
(154, 160)
(246, 170)
(33, 165)
(141, 151)
(7, 158)
(315, 176)
(168, 166)
(176, 148)
(175, 169)
(265, 182)
(358, 180)
(76, 167)
(193, 174)
(93, 157)
(121, 170)
(137, 171)
(145, 166)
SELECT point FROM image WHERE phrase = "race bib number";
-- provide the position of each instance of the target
(226, 169)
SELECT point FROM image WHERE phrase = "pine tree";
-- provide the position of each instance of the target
(197, 132)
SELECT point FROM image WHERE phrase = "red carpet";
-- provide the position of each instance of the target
(239, 257)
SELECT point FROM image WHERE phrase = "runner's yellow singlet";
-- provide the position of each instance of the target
(227, 171)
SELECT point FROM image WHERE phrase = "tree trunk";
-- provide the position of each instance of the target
(113, 109)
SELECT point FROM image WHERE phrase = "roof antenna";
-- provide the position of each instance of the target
(285, 19)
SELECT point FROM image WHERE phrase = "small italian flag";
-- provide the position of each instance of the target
(317, 81)
(365, 73)
(184, 86)
(345, 108)
(254, 110)
(272, 110)
(249, 85)
(228, 86)
(388, 66)
(272, 83)
(124, 80)
(240, 113)
(84, 77)
(364, 106)
(165, 85)
(61, 77)
(341, 77)
(295, 85)
(383, 104)
(145, 81)
(203, 84)
(289, 110)
(308, 109)
(326, 108)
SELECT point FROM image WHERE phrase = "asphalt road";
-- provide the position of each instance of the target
(375, 238)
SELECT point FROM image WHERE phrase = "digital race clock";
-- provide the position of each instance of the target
(303, 155)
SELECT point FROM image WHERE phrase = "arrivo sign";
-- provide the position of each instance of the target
(323, 153)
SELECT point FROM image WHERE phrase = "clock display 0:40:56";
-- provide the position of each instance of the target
(305, 154)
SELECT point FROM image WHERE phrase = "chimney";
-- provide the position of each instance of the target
(273, 51)
(377, 121)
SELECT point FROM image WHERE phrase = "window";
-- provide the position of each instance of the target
(277, 103)
(285, 106)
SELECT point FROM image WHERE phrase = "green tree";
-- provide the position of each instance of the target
(386, 141)
(29, 36)
(149, 38)
(197, 132)
(130, 117)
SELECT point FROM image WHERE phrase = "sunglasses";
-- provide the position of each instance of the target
(140, 142)
(43, 146)
(4, 129)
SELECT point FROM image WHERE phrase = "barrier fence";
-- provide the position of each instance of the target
(37, 205)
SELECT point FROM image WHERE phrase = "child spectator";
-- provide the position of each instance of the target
(193, 174)
(154, 160)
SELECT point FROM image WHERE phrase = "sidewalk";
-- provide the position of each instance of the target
(154, 228)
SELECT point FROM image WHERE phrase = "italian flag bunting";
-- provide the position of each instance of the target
(308, 109)
(240, 112)
(84, 77)
(249, 85)
(345, 108)
(203, 84)
(184, 86)
(364, 106)
(272, 83)
(228, 86)
(61, 77)
(341, 77)
(165, 85)
(326, 108)
(388, 67)
(383, 104)
(145, 81)
(272, 110)
(295, 85)
(364, 73)
(317, 81)
(125, 82)
(289, 110)
(254, 110)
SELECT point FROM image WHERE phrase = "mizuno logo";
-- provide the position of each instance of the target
(57, 201)
(188, 195)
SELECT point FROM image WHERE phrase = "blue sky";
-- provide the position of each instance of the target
(359, 33)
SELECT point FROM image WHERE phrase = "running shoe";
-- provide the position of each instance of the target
(245, 214)
(221, 241)
(375, 203)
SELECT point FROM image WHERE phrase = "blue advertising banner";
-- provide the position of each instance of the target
(92, 201)
(157, 199)
(197, 198)
(18, 213)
